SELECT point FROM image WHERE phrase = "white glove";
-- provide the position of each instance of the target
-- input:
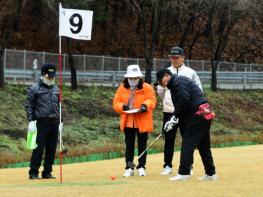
(170, 124)
(60, 127)
(32, 127)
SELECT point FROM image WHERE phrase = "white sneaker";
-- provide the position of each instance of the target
(180, 177)
(141, 172)
(129, 172)
(166, 171)
(207, 177)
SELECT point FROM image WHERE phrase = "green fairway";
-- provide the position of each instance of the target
(238, 168)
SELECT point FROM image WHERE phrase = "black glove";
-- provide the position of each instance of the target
(125, 107)
(143, 108)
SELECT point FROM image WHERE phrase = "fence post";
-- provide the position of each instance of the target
(4, 64)
(119, 68)
(102, 69)
(24, 65)
(119, 64)
(113, 79)
(154, 64)
(245, 79)
(84, 62)
(44, 57)
(234, 76)
(250, 75)
(64, 62)
(34, 68)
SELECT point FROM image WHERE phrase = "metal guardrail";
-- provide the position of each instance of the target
(225, 80)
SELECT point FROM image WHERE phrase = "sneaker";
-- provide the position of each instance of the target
(191, 170)
(33, 176)
(207, 177)
(166, 171)
(180, 177)
(48, 176)
(129, 172)
(141, 172)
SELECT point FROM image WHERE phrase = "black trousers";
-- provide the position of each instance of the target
(130, 134)
(47, 137)
(169, 138)
(196, 135)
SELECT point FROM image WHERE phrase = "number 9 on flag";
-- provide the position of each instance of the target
(75, 23)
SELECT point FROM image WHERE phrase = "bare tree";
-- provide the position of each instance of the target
(247, 38)
(9, 25)
(222, 16)
(149, 18)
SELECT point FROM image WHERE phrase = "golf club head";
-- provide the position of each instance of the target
(131, 164)
(64, 151)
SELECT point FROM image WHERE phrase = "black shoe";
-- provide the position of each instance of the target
(33, 176)
(48, 176)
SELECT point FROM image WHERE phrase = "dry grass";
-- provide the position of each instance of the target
(239, 169)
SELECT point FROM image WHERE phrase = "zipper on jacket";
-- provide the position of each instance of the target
(50, 97)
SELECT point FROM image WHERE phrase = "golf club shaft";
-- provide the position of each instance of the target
(150, 145)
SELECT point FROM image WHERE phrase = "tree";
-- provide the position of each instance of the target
(9, 25)
(73, 70)
(222, 16)
(248, 38)
(148, 12)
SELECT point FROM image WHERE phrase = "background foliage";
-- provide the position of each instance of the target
(91, 126)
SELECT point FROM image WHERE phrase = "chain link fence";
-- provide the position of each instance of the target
(24, 66)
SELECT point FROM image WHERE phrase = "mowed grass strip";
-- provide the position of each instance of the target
(239, 170)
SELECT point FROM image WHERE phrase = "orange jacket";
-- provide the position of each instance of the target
(144, 96)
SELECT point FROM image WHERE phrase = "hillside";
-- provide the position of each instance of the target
(91, 126)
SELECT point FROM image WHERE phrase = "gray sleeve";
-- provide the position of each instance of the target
(31, 103)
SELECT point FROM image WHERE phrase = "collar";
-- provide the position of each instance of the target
(178, 68)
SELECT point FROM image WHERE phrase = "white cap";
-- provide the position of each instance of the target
(133, 71)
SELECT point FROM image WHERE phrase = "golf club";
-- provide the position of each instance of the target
(131, 164)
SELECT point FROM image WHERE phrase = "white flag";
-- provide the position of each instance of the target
(75, 24)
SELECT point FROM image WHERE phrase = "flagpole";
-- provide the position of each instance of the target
(60, 108)
(60, 101)
(65, 20)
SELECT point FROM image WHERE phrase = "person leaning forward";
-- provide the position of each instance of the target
(178, 67)
(194, 109)
(42, 106)
(134, 93)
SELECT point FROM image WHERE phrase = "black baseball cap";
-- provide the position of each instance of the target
(160, 74)
(176, 51)
(49, 69)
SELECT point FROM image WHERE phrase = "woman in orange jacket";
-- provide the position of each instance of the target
(132, 94)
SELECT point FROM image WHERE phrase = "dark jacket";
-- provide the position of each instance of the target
(43, 103)
(186, 95)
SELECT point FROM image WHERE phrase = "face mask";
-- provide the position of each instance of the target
(133, 83)
(48, 82)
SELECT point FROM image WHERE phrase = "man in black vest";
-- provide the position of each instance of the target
(42, 106)
(191, 107)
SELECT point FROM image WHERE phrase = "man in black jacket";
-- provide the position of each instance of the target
(42, 106)
(188, 100)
